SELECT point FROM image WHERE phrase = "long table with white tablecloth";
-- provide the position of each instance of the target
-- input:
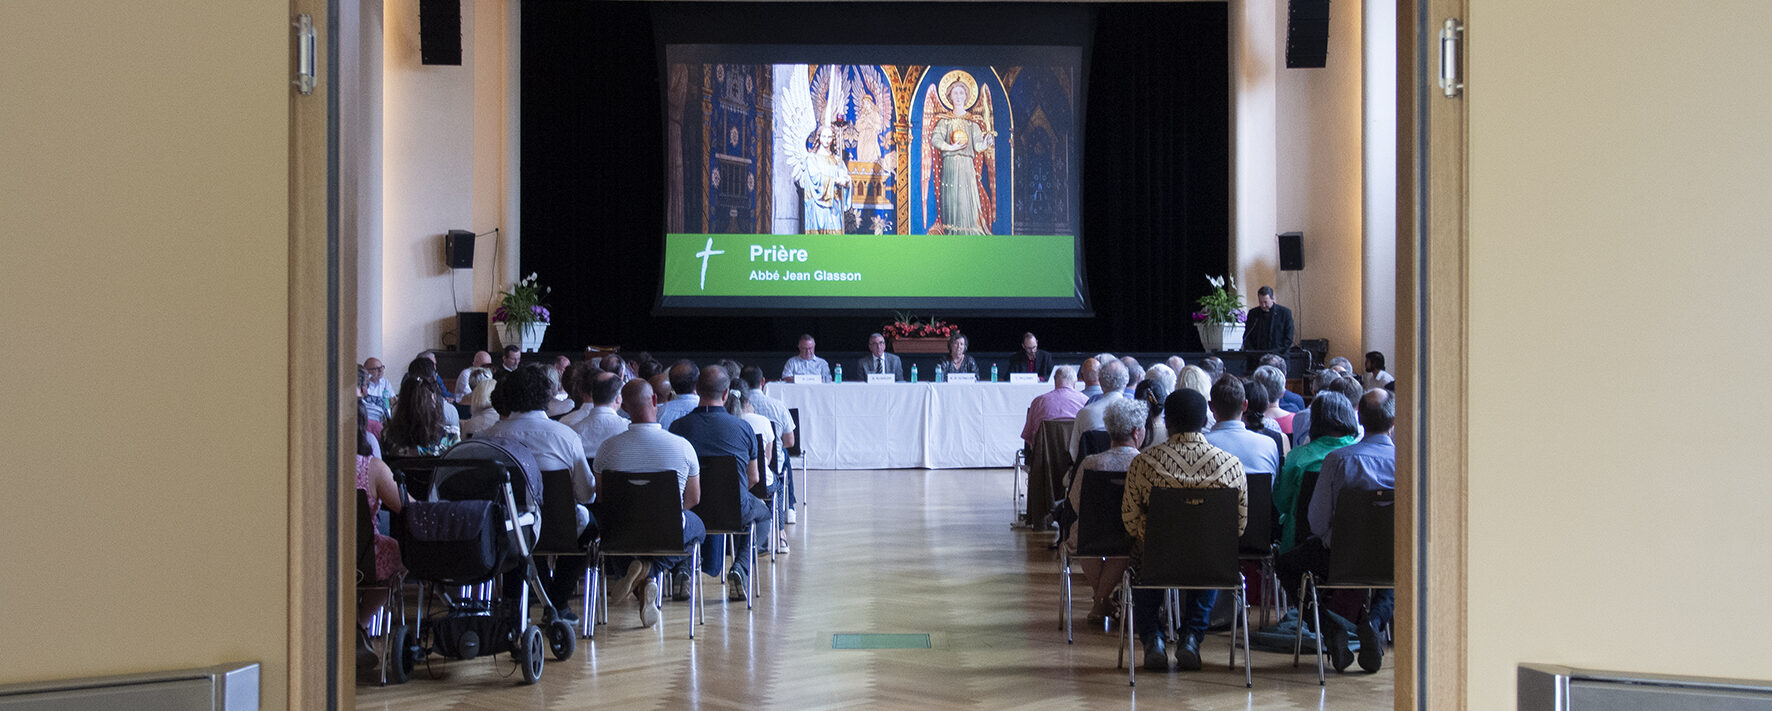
(909, 425)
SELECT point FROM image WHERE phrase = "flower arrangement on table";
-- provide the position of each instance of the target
(1222, 305)
(905, 325)
(520, 303)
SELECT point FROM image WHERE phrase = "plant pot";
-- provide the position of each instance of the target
(1220, 336)
(930, 344)
(525, 336)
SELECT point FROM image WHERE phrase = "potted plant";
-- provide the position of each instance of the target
(907, 334)
(521, 317)
(1221, 315)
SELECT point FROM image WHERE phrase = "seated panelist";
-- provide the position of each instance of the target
(878, 361)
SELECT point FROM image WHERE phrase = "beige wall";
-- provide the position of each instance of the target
(143, 298)
(443, 167)
(1619, 212)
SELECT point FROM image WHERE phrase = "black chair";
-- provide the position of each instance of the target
(1190, 543)
(1091, 442)
(641, 517)
(1301, 511)
(559, 518)
(794, 451)
(723, 483)
(1362, 531)
(1257, 542)
(762, 492)
(389, 626)
(1100, 532)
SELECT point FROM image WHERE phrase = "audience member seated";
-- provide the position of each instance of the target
(806, 362)
(513, 357)
(420, 426)
(1125, 427)
(1369, 464)
(738, 402)
(1175, 363)
(377, 482)
(603, 396)
(525, 395)
(373, 426)
(378, 394)
(559, 401)
(682, 377)
(715, 432)
(463, 389)
(646, 447)
(1152, 392)
(481, 413)
(1289, 401)
(1134, 374)
(1090, 373)
(1332, 427)
(958, 360)
(1375, 368)
(1256, 420)
(1030, 359)
(1186, 461)
(1257, 453)
(1214, 367)
(1273, 380)
(1113, 387)
(1061, 402)
(751, 378)
(425, 366)
(1327, 380)
(577, 383)
(1197, 379)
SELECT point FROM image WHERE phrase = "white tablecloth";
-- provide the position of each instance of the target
(909, 425)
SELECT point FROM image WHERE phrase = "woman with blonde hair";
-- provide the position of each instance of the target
(480, 402)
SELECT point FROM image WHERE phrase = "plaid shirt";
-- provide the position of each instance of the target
(1185, 461)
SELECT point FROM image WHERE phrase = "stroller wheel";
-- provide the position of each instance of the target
(402, 654)
(529, 654)
(562, 639)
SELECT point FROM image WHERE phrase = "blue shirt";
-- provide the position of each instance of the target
(1369, 464)
(670, 411)
(1259, 453)
(714, 432)
(1291, 402)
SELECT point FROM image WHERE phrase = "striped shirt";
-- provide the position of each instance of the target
(1185, 461)
(646, 447)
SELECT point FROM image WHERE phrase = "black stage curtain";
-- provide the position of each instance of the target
(1156, 196)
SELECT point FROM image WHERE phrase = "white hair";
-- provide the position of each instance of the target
(1162, 374)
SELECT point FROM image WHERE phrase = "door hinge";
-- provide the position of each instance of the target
(1451, 37)
(307, 73)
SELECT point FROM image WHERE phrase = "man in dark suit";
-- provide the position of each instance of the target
(879, 361)
(1030, 359)
(1270, 325)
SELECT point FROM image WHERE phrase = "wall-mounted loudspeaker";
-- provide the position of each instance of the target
(1292, 252)
(458, 249)
(439, 31)
(470, 331)
(1307, 34)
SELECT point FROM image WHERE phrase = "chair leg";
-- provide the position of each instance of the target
(1126, 612)
(588, 625)
(1317, 618)
(1248, 658)
(1298, 642)
(1064, 594)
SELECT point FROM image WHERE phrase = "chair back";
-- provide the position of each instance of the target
(1301, 510)
(641, 513)
(1190, 539)
(761, 489)
(1258, 534)
(365, 539)
(722, 482)
(1092, 442)
(1362, 532)
(794, 414)
(1100, 531)
(559, 514)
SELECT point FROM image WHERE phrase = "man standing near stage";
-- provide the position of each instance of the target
(806, 363)
(1270, 325)
(879, 361)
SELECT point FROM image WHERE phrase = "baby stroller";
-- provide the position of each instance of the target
(475, 519)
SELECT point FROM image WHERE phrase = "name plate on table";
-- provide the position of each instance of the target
(1024, 377)
(807, 379)
(962, 377)
(880, 378)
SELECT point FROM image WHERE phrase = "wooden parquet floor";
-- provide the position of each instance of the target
(901, 551)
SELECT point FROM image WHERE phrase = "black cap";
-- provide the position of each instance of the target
(1185, 411)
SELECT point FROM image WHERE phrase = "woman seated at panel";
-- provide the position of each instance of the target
(376, 482)
(420, 425)
(958, 361)
(1125, 419)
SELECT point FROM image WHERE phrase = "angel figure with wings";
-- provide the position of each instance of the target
(819, 171)
(962, 152)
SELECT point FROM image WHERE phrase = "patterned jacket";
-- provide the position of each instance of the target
(1185, 461)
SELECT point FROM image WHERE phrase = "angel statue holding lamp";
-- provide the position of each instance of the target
(962, 151)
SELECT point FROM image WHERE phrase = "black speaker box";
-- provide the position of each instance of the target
(439, 31)
(470, 331)
(1292, 252)
(1307, 34)
(458, 249)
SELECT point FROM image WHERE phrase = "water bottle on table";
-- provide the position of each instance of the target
(839, 374)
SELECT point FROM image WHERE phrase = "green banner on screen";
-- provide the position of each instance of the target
(870, 266)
